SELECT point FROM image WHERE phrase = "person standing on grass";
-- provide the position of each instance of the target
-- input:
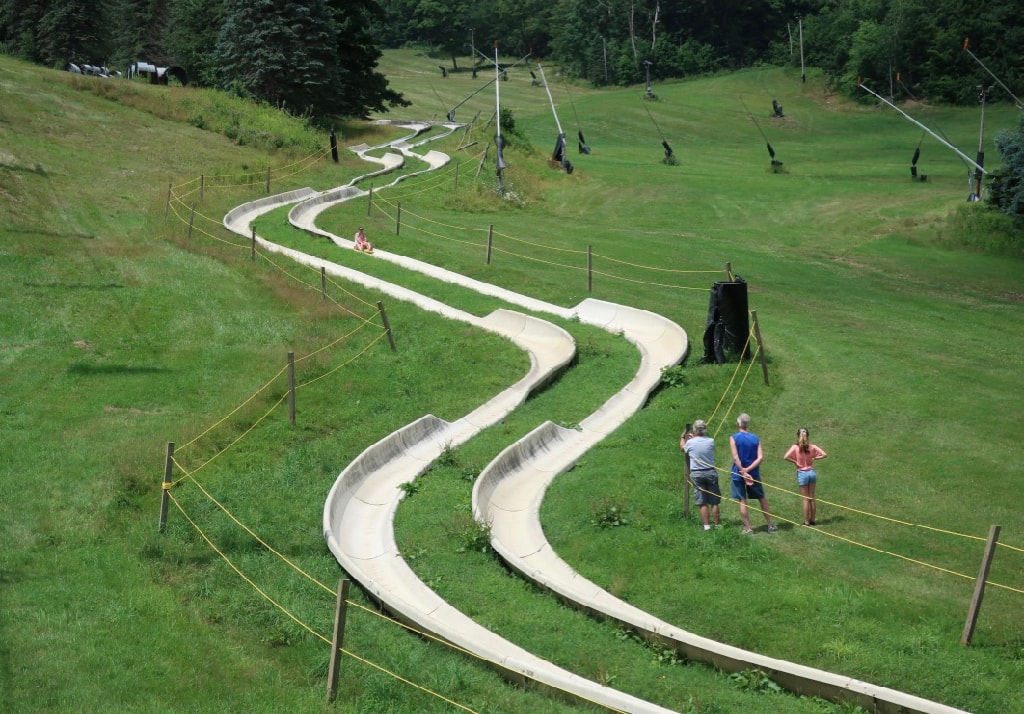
(701, 449)
(803, 453)
(747, 456)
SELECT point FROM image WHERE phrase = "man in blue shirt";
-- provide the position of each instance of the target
(747, 456)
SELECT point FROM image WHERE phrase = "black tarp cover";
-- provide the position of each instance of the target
(728, 328)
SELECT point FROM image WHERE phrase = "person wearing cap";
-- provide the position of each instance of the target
(361, 243)
(700, 447)
(747, 456)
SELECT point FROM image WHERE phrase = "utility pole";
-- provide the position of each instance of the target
(979, 162)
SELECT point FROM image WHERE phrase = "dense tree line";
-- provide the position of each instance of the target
(913, 45)
(319, 56)
(314, 57)
(291, 52)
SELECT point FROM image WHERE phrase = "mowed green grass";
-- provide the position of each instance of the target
(895, 349)
(898, 352)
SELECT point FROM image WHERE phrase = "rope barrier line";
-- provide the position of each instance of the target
(287, 612)
(218, 180)
(888, 518)
(244, 577)
(727, 389)
(230, 445)
(645, 282)
(406, 681)
(533, 244)
(360, 328)
(313, 287)
(352, 359)
(233, 411)
(728, 475)
(380, 198)
(650, 267)
(256, 537)
(328, 590)
(775, 516)
(474, 655)
(750, 366)
(577, 268)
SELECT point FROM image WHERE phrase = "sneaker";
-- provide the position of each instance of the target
(814, 523)
(772, 528)
(748, 531)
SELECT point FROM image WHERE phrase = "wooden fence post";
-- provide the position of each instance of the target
(456, 187)
(590, 269)
(167, 206)
(760, 348)
(165, 495)
(202, 185)
(337, 640)
(686, 479)
(387, 326)
(252, 249)
(728, 273)
(369, 201)
(490, 242)
(291, 388)
(979, 586)
(323, 282)
(191, 220)
(268, 180)
(398, 219)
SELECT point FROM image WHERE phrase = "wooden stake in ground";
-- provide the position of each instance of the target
(979, 586)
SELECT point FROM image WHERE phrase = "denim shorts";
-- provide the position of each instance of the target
(805, 477)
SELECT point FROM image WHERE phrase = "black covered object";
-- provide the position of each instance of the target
(728, 328)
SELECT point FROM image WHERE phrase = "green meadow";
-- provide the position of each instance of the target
(889, 311)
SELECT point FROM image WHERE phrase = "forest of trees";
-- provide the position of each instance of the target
(318, 57)
(287, 52)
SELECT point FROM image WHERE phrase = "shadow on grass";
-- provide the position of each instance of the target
(87, 370)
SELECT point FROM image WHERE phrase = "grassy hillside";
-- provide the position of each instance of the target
(898, 349)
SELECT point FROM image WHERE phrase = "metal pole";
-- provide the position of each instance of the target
(980, 160)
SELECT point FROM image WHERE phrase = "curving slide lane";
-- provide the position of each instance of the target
(360, 508)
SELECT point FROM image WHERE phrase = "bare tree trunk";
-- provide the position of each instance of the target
(654, 25)
(632, 33)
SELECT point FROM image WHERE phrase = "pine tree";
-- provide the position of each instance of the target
(311, 57)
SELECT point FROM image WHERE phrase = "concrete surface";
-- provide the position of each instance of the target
(359, 512)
